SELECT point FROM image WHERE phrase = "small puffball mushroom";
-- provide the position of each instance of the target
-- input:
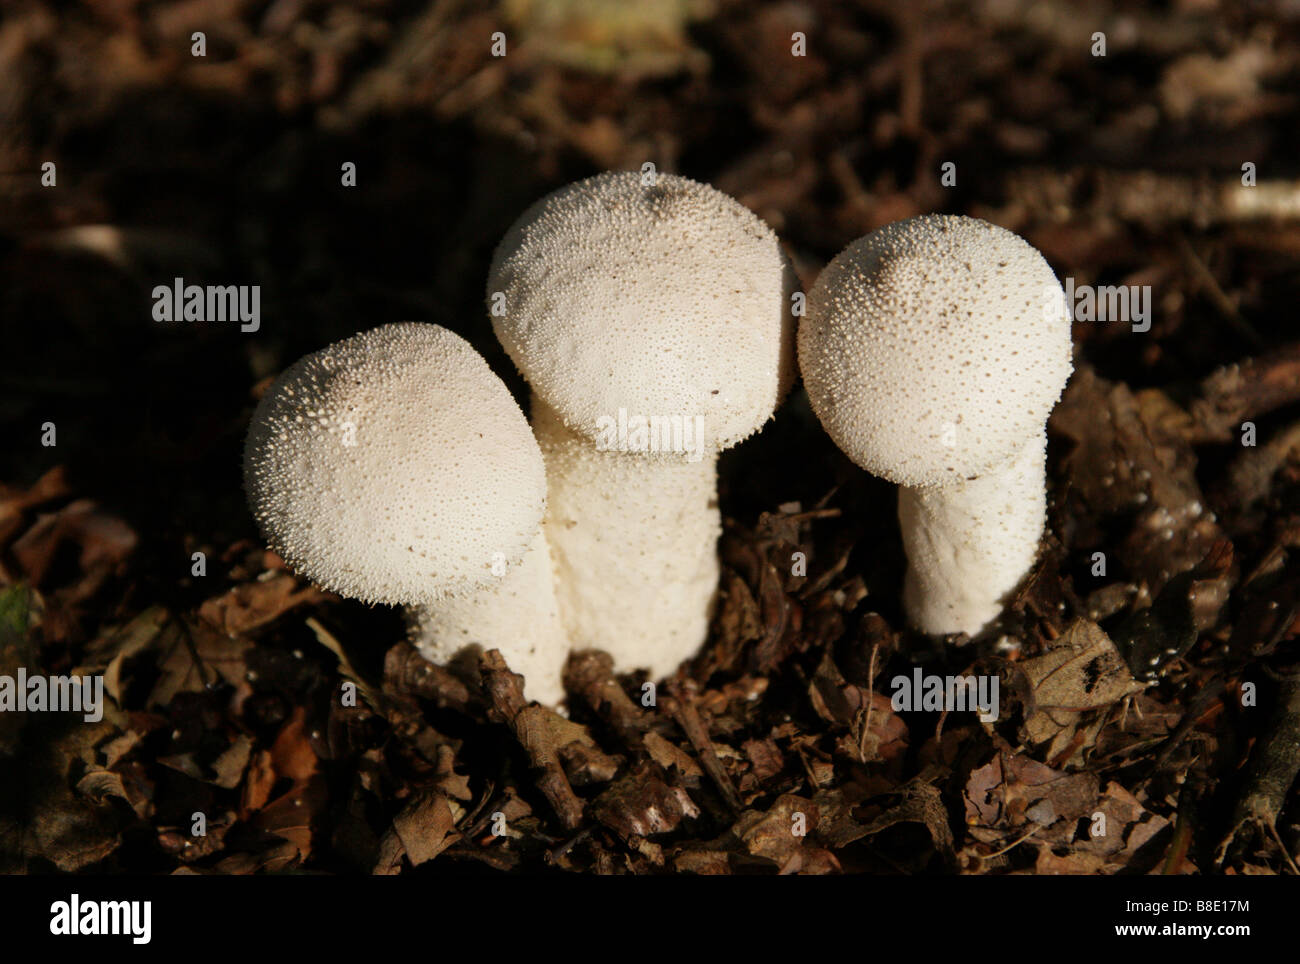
(933, 351)
(395, 467)
(653, 323)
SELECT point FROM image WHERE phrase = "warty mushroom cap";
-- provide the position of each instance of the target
(394, 466)
(671, 299)
(934, 348)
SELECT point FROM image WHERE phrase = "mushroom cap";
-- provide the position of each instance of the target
(934, 348)
(394, 467)
(670, 299)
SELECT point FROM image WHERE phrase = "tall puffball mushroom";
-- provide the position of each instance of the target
(653, 322)
(933, 351)
(395, 467)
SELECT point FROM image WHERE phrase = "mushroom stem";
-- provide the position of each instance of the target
(634, 541)
(969, 544)
(517, 616)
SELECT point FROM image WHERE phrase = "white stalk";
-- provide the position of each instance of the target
(518, 616)
(634, 540)
(969, 544)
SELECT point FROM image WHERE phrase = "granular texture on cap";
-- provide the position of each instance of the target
(664, 300)
(394, 467)
(934, 348)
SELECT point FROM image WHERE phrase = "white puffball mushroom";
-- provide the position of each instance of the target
(653, 323)
(395, 467)
(933, 351)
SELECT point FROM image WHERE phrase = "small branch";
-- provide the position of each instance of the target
(1273, 769)
(688, 718)
(590, 676)
(527, 721)
(1148, 197)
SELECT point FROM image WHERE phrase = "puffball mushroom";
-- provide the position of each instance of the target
(395, 467)
(653, 322)
(933, 351)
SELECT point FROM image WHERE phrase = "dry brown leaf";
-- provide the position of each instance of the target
(219, 658)
(920, 803)
(103, 540)
(1082, 671)
(138, 635)
(426, 827)
(1012, 791)
(253, 604)
(669, 755)
(15, 502)
(779, 833)
(228, 768)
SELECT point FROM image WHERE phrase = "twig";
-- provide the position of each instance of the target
(590, 675)
(686, 716)
(1183, 827)
(871, 690)
(506, 700)
(1216, 293)
(1273, 769)
(1210, 692)
(1148, 197)
(1011, 846)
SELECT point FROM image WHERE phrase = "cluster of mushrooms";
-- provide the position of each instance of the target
(395, 467)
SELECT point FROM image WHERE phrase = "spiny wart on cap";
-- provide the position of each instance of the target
(394, 467)
(670, 300)
(934, 348)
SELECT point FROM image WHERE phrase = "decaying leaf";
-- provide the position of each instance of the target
(670, 755)
(1012, 793)
(1119, 826)
(920, 803)
(252, 605)
(197, 659)
(1082, 671)
(426, 827)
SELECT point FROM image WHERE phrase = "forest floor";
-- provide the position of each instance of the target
(1149, 667)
